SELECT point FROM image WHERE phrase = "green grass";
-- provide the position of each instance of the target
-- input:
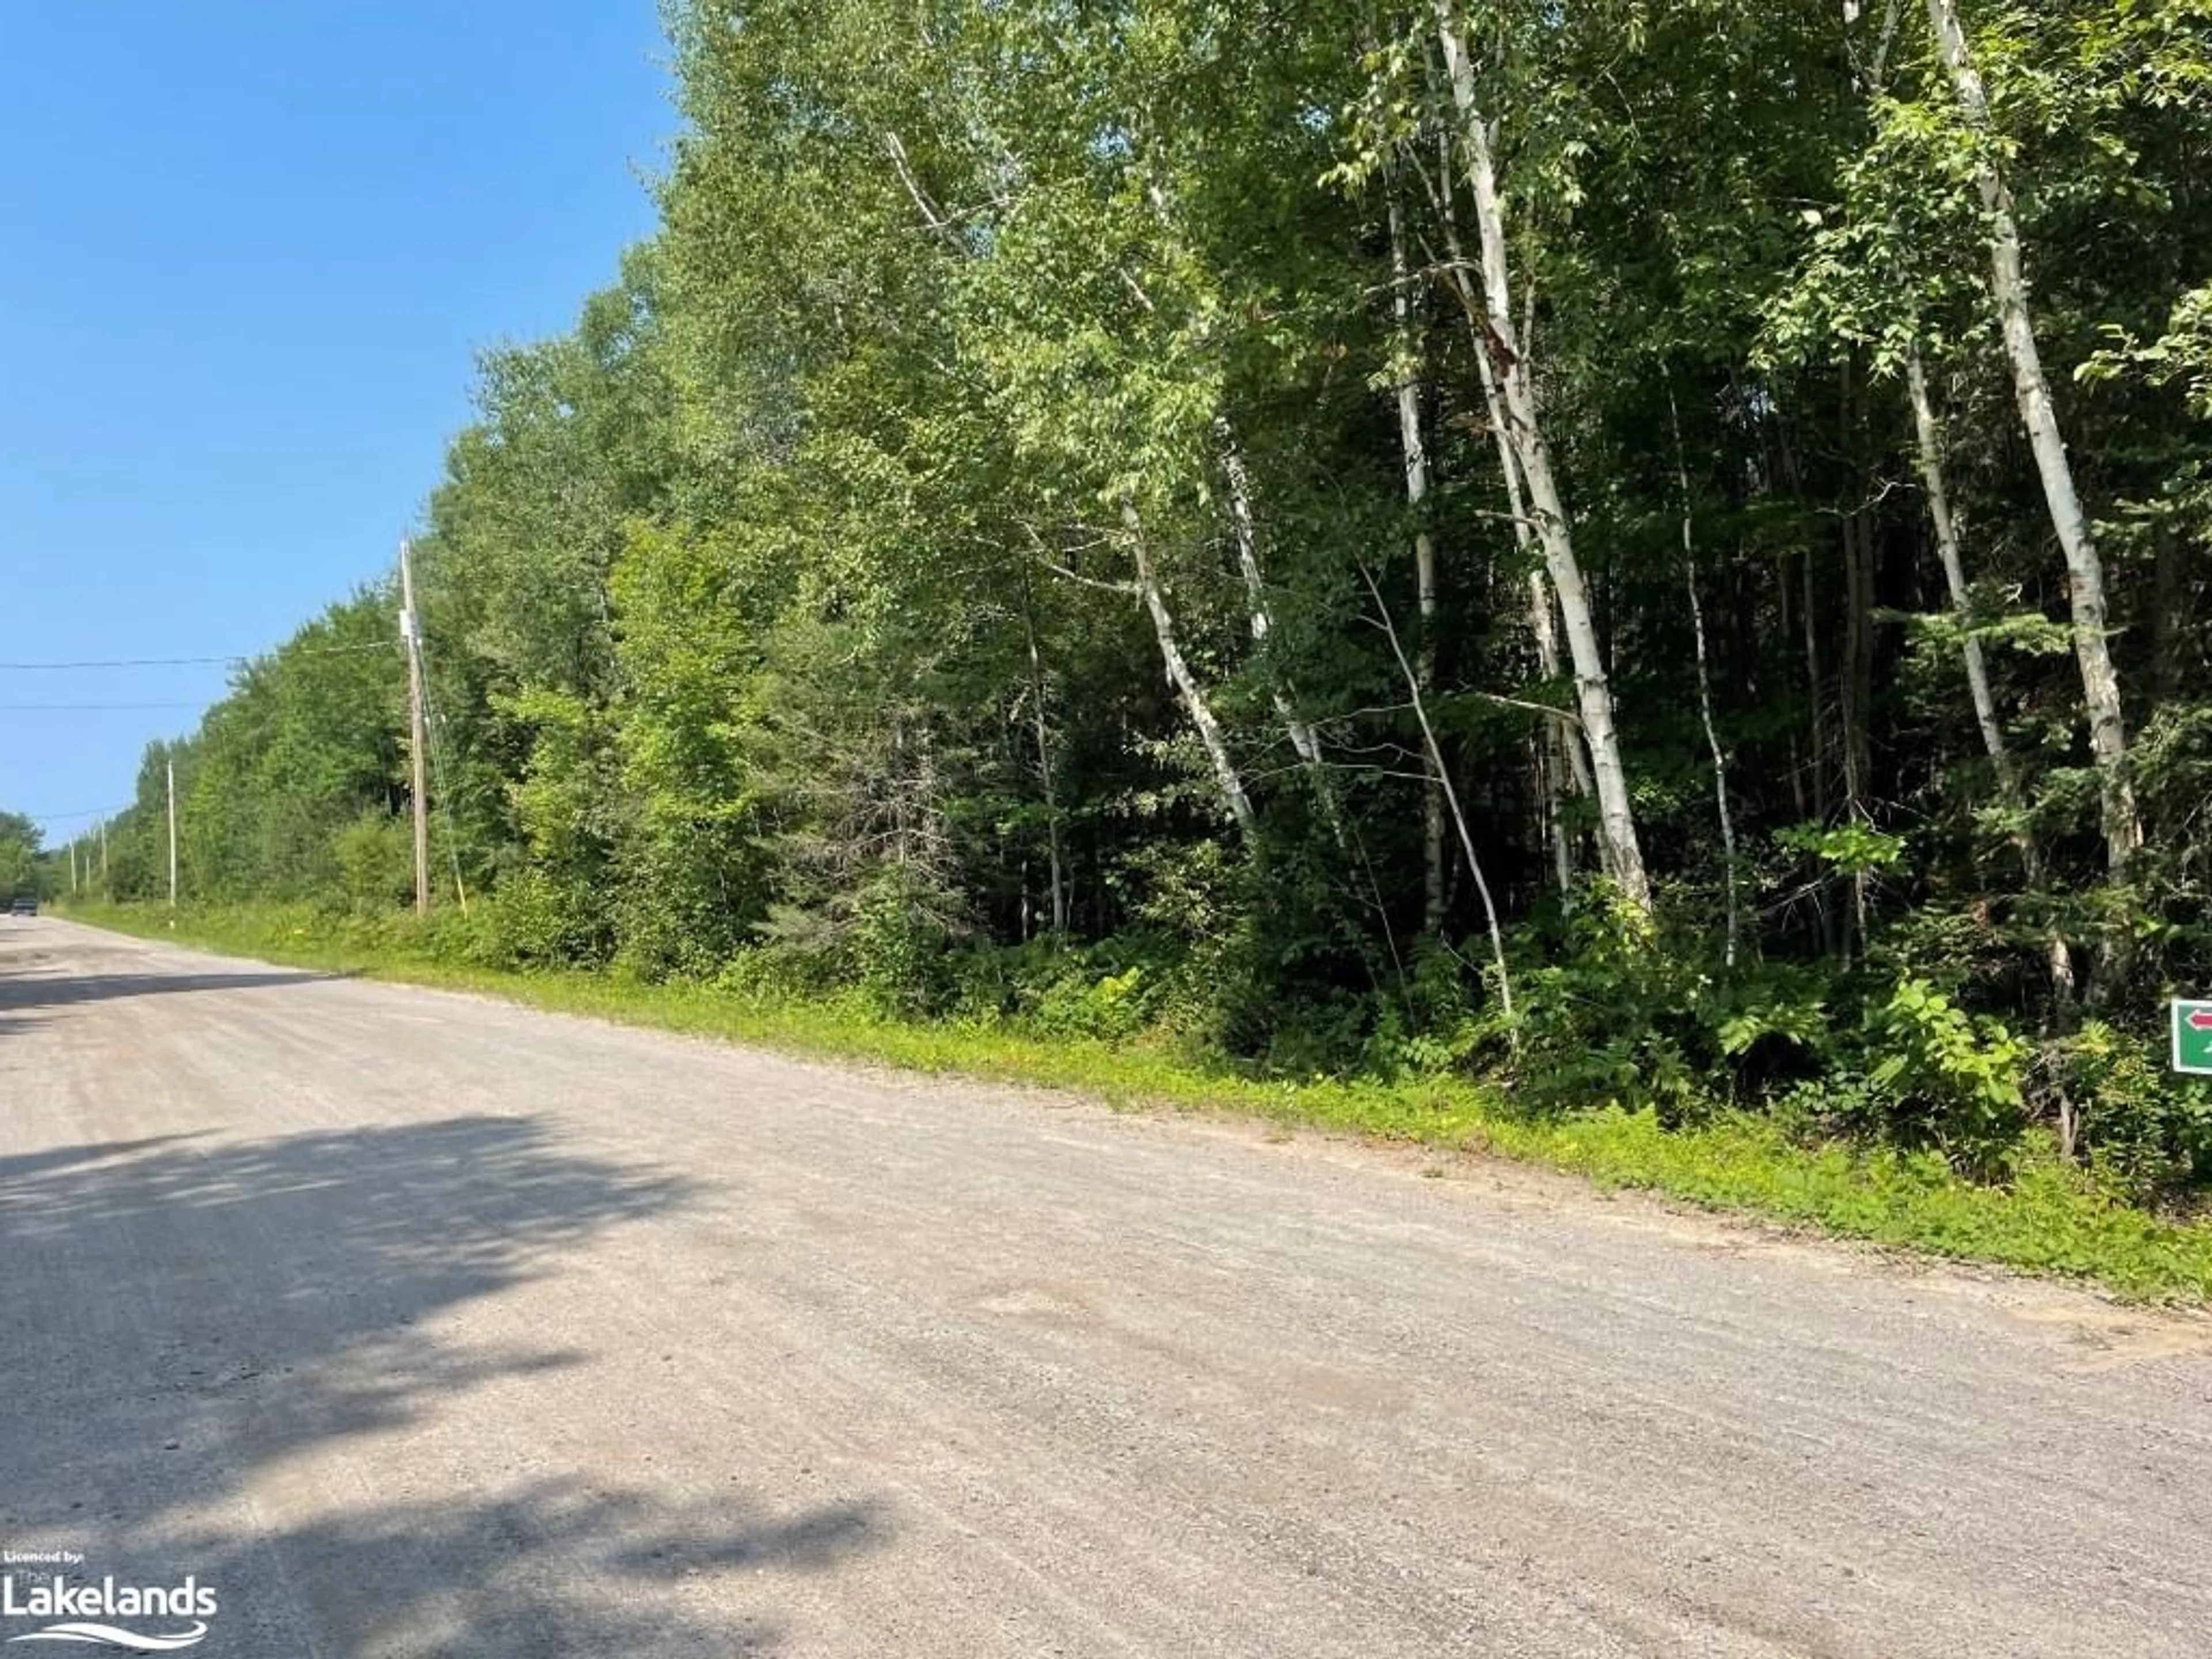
(2051, 1219)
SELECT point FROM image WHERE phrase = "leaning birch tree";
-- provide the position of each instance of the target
(1532, 452)
(2085, 569)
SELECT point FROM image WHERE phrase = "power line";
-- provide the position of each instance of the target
(88, 708)
(196, 662)
(89, 812)
(125, 662)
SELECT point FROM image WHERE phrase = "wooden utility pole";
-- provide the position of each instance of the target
(72, 869)
(103, 858)
(173, 835)
(410, 630)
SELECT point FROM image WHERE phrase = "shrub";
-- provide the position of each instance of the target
(1939, 1076)
(375, 858)
(540, 921)
(1081, 1003)
(2144, 1129)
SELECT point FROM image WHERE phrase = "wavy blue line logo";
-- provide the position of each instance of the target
(109, 1636)
(81, 1613)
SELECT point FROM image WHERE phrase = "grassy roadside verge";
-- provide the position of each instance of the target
(2052, 1220)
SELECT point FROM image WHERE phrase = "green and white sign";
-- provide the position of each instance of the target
(2192, 1038)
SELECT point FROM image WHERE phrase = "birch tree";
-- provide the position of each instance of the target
(2085, 569)
(1532, 454)
(1406, 390)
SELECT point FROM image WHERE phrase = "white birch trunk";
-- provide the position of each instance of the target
(1193, 695)
(1303, 737)
(2084, 570)
(1954, 571)
(1562, 757)
(1566, 760)
(1451, 797)
(1044, 766)
(1706, 686)
(1415, 449)
(1931, 447)
(1561, 742)
(1616, 815)
(1713, 742)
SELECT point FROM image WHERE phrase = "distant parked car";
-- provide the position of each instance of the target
(23, 904)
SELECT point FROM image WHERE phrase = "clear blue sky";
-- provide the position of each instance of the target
(248, 251)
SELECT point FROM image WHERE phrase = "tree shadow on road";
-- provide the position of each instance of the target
(186, 1314)
(550, 1569)
(29, 985)
(19, 991)
(56, 1159)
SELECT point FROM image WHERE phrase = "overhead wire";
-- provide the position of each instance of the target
(189, 662)
(88, 707)
(104, 813)
(143, 708)
(193, 662)
(89, 812)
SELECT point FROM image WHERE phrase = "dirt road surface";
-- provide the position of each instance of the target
(414, 1325)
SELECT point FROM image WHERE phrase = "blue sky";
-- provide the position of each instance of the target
(248, 252)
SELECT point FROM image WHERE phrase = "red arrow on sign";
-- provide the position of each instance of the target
(2200, 1019)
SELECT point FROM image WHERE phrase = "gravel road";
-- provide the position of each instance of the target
(416, 1324)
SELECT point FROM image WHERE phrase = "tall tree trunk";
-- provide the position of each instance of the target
(1414, 448)
(1817, 687)
(1855, 675)
(2085, 569)
(1616, 814)
(1855, 685)
(1930, 450)
(1930, 445)
(1451, 796)
(1303, 737)
(1044, 766)
(1785, 612)
(1560, 755)
(1816, 683)
(1185, 683)
(1569, 756)
(1809, 619)
(1705, 685)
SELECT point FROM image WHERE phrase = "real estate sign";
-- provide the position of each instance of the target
(2192, 1038)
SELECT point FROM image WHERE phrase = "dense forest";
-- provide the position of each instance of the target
(20, 870)
(1657, 552)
